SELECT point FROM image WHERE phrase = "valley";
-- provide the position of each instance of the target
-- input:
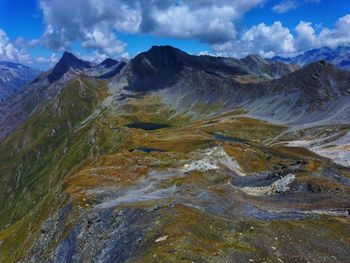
(119, 169)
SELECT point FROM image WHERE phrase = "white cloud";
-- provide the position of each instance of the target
(275, 39)
(207, 25)
(267, 39)
(288, 5)
(105, 42)
(10, 51)
(91, 22)
(285, 6)
(95, 22)
(306, 36)
(339, 35)
(262, 39)
(47, 60)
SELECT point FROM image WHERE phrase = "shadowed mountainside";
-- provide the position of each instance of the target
(13, 77)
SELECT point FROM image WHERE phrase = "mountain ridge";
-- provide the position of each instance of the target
(13, 76)
(339, 56)
(67, 62)
(211, 79)
(184, 81)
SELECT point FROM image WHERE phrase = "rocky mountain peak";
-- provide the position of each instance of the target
(255, 59)
(67, 62)
(319, 82)
(321, 68)
(109, 62)
(162, 56)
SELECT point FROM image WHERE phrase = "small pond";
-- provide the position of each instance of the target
(221, 137)
(147, 126)
(147, 150)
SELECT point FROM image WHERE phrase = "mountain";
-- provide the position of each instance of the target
(339, 56)
(256, 65)
(13, 77)
(108, 63)
(46, 86)
(317, 93)
(66, 63)
(311, 93)
(318, 82)
(113, 68)
(177, 158)
(161, 65)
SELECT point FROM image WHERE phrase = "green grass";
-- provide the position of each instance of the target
(46, 148)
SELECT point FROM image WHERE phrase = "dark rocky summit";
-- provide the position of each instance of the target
(66, 63)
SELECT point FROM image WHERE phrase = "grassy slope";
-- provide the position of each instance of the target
(86, 157)
(36, 157)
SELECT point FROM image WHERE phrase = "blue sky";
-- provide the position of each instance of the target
(36, 32)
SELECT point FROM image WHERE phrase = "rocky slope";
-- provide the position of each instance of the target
(160, 66)
(46, 86)
(13, 77)
(339, 56)
(162, 163)
(316, 93)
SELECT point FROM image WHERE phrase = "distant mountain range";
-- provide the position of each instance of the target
(268, 89)
(13, 77)
(339, 56)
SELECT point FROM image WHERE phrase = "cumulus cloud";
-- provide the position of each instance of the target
(275, 39)
(47, 60)
(91, 22)
(308, 37)
(17, 51)
(208, 24)
(339, 35)
(9, 50)
(268, 40)
(95, 22)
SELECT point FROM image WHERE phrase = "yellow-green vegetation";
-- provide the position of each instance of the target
(193, 236)
(206, 109)
(48, 147)
(20, 236)
(246, 128)
(149, 108)
(73, 150)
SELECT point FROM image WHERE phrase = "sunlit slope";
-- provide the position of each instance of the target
(47, 147)
(197, 189)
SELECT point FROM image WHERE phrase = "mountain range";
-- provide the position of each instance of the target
(339, 56)
(13, 77)
(172, 157)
